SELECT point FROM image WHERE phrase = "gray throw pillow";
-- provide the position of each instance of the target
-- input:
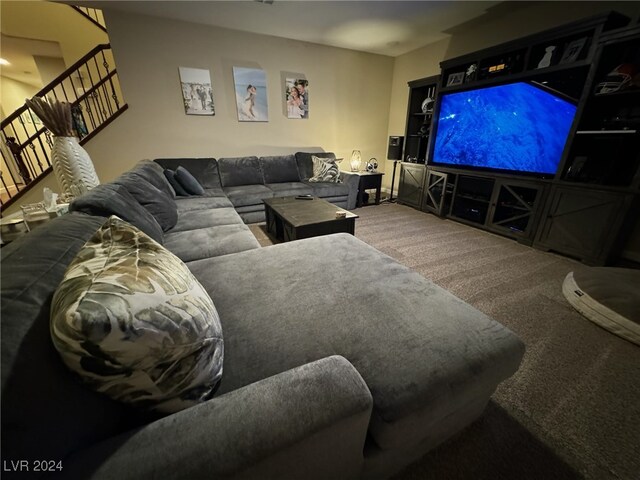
(134, 323)
(170, 175)
(325, 170)
(109, 199)
(188, 181)
(162, 206)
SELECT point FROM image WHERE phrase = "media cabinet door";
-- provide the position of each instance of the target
(515, 208)
(411, 184)
(583, 224)
(435, 192)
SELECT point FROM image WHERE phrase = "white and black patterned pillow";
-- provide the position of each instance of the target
(134, 323)
(325, 170)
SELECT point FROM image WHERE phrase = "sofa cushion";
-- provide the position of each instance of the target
(45, 410)
(188, 181)
(161, 206)
(211, 241)
(154, 174)
(280, 169)
(421, 350)
(290, 188)
(240, 171)
(196, 219)
(187, 204)
(205, 170)
(175, 184)
(214, 192)
(109, 199)
(133, 322)
(325, 170)
(243, 195)
(305, 164)
(328, 189)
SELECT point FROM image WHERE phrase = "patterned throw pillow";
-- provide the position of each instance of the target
(325, 170)
(134, 323)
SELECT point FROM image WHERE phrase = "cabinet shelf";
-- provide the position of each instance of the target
(616, 95)
(418, 126)
(522, 75)
(473, 198)
(606, 132)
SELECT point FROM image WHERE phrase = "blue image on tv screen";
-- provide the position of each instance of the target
(518, 127)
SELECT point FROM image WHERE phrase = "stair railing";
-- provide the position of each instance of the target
(93, 15)
(92, 88)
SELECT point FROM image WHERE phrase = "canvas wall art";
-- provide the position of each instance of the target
(251, 94)
(297, 97)
(197, 92)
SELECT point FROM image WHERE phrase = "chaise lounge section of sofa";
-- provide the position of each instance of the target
(317, 383)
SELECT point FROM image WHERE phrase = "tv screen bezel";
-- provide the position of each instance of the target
(474, 168)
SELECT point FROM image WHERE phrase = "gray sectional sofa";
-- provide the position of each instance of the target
(318, 382)
(246, 181)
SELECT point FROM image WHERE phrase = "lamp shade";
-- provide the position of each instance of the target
(356, 159)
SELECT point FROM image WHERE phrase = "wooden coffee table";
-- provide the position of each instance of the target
(289, 218)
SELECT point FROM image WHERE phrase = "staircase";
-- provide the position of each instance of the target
(91, 86)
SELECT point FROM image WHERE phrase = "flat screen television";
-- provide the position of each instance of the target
(519, 127)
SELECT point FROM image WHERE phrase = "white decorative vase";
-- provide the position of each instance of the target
(72, 166)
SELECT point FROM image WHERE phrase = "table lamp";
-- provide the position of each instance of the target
(356, 158)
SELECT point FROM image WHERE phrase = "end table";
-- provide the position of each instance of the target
(368, 181)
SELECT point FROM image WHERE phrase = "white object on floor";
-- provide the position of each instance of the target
(609, 297)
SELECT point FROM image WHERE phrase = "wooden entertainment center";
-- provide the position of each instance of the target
(588, 209)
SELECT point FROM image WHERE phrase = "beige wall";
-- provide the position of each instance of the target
(13, 93)
(349, 95)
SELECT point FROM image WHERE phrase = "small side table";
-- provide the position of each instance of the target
(369, 181)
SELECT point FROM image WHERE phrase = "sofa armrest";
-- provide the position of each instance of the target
(309, 422)
(353, 181)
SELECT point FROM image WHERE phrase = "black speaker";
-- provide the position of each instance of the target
(395, 148)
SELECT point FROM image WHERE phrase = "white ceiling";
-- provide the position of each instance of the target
(383, 27)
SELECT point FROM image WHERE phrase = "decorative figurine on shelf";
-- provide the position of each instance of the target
(470, 75)
(620, 78)
(372, 165)
(546, 60)
(427, 105)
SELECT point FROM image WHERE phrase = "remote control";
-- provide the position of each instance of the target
(304, 197)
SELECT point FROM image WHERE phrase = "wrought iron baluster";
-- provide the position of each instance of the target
(103, 111)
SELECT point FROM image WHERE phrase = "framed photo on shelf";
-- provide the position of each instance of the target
(455, 79)
(572, 52)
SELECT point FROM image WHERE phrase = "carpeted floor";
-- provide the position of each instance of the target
(573, 409)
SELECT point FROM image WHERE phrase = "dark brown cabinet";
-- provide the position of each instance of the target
(422, 97)
(515, 208)
(438, 192)
(594, 202)
(584, 223)
(411, 184)
(588, 208)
